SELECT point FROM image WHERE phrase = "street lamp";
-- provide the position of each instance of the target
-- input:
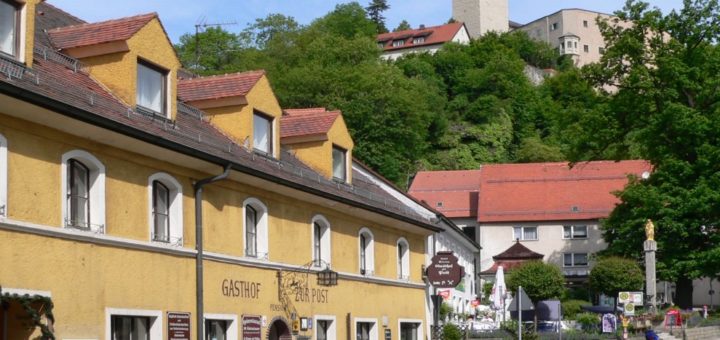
(327, 277)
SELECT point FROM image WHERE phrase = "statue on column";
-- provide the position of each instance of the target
(650, 230)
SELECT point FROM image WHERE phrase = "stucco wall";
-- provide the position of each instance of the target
(318, 154)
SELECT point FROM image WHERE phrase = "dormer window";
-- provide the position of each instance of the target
(262, 133)
(339, 158)
(151, 88)
(9, 28)
(418, 40)
(398, 43)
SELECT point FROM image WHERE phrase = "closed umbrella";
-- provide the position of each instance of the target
(498, 294)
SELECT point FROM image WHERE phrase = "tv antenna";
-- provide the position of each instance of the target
(203, 24)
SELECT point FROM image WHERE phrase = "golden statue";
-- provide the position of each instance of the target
(650, 230)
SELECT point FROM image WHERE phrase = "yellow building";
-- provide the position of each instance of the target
(137, 205)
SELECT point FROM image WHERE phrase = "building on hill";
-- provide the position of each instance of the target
(572, 31)
(133, 201)
(549, 208)
(423, 39)
(482, 16)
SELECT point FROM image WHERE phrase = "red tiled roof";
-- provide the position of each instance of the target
(508, 265)
(518, 251)
(306, 122)
(455, 191)
(433, 36)
(221, 86)
(552, 191)
(99, 32)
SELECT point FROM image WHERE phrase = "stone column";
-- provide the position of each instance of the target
(650, 290)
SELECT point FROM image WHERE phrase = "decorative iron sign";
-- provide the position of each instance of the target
(178, 326)
(251, 327)
(444, 270)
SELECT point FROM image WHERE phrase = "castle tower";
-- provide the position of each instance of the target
(481, 16)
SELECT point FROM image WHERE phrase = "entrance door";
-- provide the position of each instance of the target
(279, 331)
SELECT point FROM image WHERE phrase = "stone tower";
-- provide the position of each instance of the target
(481, 16)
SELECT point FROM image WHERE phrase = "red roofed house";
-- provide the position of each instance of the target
(423, 39)
(549, 208)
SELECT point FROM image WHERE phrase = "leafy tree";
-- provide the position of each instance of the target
(212, 50)
(612, 275)
(403, 26)
(375, 11)
(664, 70)
(539, 280)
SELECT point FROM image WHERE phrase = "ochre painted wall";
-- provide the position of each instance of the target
(237, 121)
(118, 71)
(318, 154)
(87, 277)
(29, 30)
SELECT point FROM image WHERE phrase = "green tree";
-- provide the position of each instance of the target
(539, 280)
(375, 11)
(210, 51)
(403, 26)
(664, 70)
(612, 275)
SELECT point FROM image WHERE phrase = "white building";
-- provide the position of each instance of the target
(481, 16)
(423, 39)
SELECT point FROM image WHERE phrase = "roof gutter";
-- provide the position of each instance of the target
(94, 119)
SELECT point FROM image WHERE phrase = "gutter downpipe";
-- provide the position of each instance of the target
(199, 307)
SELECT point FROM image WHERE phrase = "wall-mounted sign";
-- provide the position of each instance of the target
(251, 327)
(444, 270)
(241, 289)
(178, 325)
(388, 334)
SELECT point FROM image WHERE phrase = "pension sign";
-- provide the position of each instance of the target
(445, 271)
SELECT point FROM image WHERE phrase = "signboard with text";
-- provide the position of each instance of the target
(445, 271)
(251, 327)
(178, 325)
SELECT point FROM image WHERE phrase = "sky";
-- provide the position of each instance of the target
(180, 16)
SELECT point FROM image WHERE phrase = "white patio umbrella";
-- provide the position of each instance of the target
(498, 294)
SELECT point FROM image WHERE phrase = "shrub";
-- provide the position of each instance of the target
(451, 332)
(615, 274)
(588, 321)
(570, 308)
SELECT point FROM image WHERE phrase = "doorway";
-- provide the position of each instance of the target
(279, 330)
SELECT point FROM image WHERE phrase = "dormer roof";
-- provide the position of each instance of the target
(83, 35)
(307, 122)
(218, 87)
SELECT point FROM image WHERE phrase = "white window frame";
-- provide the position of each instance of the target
(553, 26)
(332, 331)
(373, 331)
(398, 43)
(156, 320)
(21, 29)
(369, 253)
(345, 157)
(165, 91)
(325, 241)
(96, 189)
(420, 334)
(572, 256)
(232, 328)
(418, 40)
(522, 233)
(261, 235)
(3, 176)
(572, 232)
(403, 264)
(175, 213)
(271, 132)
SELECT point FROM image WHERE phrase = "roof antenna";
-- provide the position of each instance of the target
(202, 23)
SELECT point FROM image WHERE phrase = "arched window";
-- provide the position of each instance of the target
(3, 175)
(366, 252)
(320, 241)
(255, 228)
(83, 189)
(166, 210)
(403, 259)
